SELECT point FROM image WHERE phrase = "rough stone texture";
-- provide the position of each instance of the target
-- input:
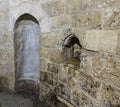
(111, 96)
(109, 44)
(56, 56)
(112, 20)
(91, 20)
(60, 21)
(79, 99)
(95, 80)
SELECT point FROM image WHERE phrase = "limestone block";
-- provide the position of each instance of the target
(88, 4)
(56, 55)
(44, 53)
(58, 7)
(73, 21)
(110, 96)
(72, 6)
(92, 39)
(61, 21)
(49, 40)
(108, 42)
(48, 8)
(89, 84)
(79, 99)
(112, 20)
(91, 20)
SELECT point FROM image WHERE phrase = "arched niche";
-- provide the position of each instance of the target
(72, 49)
(26, 45)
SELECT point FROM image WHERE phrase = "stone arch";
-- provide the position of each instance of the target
(71, 49)
(35, 11)
(26, 48)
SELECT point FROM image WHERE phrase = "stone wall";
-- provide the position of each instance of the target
(95, 22)
(96, 82)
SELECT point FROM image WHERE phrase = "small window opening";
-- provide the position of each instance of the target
(72, 49)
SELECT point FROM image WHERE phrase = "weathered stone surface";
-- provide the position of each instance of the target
(4, 25)
(4, 5)
(110, 96)
(118, 43)
(45, 40)
(60, 21)
(43, 65)
(3, 15)
(3, 82)
(44, 53)
(108, 42)
(112, 20)
(73, 21)
(89, 85)
(87, 4)
(58, 7)
(71, 6)
(92, 39)
(91, 20)
(48, 8)
(53, 68)
(79, 99)
(56, 56)
(106, 67)
(47, 93)
(5, 39)
(95, 22)
(47, 77)
(113, 4)
(63, 91)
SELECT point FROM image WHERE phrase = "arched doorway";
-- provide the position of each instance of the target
(26, 44)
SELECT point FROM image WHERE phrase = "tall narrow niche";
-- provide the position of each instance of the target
(27, 60)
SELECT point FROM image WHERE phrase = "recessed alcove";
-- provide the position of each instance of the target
(72, 50)
(26, 45)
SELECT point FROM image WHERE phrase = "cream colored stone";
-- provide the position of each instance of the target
(92, 39)
(49, 40)
(71, 6)
(90, 19)
(108, 42)
(60, 21)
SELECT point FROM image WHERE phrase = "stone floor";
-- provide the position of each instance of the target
(8, 99)
(13, 100)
